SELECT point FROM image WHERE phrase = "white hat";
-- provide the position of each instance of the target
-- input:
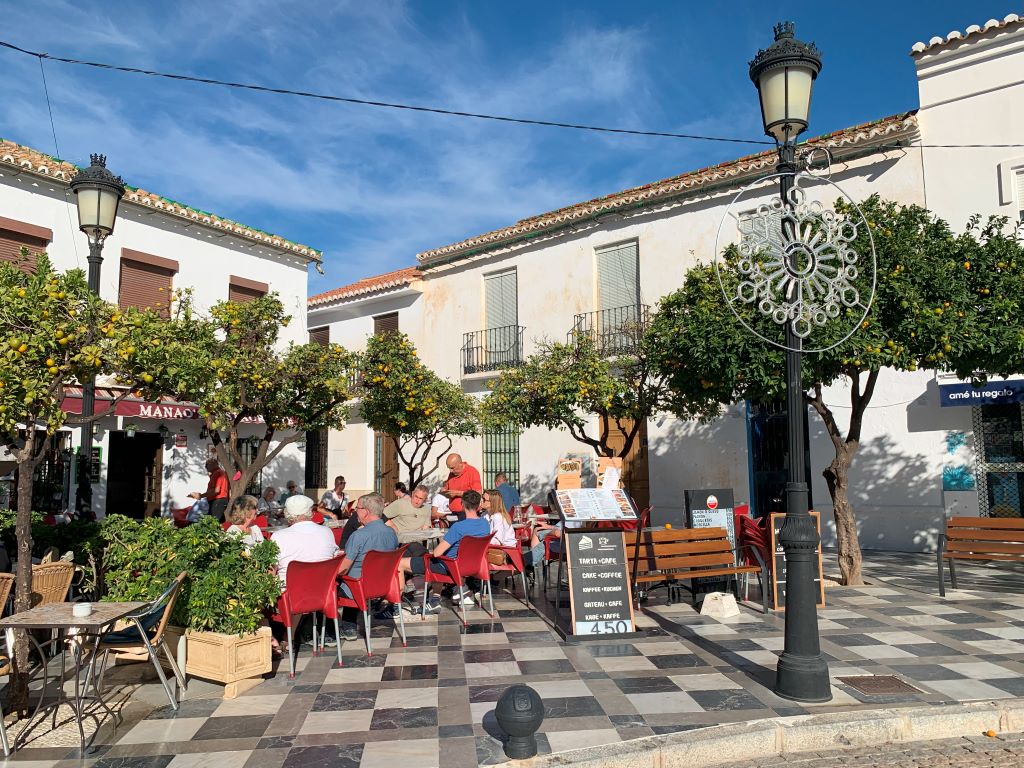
(297, 506)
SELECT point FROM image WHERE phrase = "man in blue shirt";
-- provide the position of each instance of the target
(509, 495)
(372, 536)
(472, 525)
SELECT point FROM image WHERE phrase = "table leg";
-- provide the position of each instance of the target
(42, 694)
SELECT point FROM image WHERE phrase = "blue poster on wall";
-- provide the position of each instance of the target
(992, 393)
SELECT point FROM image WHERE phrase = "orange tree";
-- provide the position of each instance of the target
(923, 316)
(234, 367)
(418, 410)
(56, 332)
(571, 386)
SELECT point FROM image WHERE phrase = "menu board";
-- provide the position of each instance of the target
(711, 508)
(779, 563)
(592, 504)
(599, 591)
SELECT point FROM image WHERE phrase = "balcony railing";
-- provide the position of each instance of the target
(614, 331)
(492, 349)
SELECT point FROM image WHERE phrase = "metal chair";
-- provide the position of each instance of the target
(145, 636)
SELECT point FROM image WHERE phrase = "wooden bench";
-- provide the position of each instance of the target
(979, 538)
(671, 556)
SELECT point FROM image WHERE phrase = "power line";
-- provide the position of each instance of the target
(383, 104)
(56, 149)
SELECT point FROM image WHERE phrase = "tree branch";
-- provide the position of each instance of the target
(834, 433)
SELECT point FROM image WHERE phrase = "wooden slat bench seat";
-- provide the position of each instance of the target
(979, 538)
(675, 555)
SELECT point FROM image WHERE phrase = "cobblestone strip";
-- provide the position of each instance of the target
(1003, 751)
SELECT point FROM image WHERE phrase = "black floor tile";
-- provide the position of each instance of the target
(234, 727)
(531, 637)
(677, 661)
(601, 651)
(480, 693)
(628, 721)
(155, 761)
(1014, 685)
(483, 629)
(488, 655)
(964, 634)
(410, 717)
(189, 708)
(726, 700)
(646, 685)
(661, 729)
(344, 700)
(410, 672)
(929, 649)
(331, 756)
(573, 706)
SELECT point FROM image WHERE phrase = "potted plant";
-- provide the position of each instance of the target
(222, 603)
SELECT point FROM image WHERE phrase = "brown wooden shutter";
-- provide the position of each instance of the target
(385, 323)
(321, 336)
(15, 235)
(145, 286)
(242, 290)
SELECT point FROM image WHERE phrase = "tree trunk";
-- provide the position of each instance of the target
(838, 478)
(17, 696)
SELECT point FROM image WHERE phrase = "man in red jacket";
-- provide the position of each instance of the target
(216, 491)
(461, 478)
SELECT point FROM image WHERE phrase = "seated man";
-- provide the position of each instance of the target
(372, 536)
(303, 539)
(409, 513)
(472, 525)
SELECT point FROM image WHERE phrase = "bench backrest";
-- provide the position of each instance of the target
(986, 534)
(681, 549)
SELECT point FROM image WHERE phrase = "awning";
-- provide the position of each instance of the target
(993, 393)
(164, 408)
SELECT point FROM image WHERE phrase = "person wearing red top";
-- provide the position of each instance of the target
(462, 477)
(216, 490)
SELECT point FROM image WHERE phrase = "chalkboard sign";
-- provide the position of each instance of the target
(711, 508)
(599, 590)
(779, 563)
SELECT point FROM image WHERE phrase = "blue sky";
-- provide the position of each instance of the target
(373, 187)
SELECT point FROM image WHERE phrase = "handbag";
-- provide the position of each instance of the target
(496, 557)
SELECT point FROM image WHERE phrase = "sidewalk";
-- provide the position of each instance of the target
(432, 703)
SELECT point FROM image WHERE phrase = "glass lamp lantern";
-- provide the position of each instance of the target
(98, 193)
(784, 74)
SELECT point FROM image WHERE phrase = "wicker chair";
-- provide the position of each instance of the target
(6, 584)
(51, 582)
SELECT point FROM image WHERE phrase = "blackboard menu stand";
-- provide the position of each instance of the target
(599, 594)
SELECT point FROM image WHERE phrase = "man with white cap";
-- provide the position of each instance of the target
(303, 539)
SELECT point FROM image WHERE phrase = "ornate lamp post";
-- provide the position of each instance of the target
(784, 74)
(98, 193)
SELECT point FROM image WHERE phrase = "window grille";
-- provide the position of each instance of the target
(501, 454)
(999, 459)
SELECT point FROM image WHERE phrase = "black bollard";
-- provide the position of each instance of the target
(519, 713)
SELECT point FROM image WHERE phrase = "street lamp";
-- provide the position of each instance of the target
(784, 74)
(98, 193)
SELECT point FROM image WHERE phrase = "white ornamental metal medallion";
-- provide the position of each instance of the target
(797, 262)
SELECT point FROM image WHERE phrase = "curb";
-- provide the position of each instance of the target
(759, 739)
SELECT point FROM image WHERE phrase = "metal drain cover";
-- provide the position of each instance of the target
(878, 685)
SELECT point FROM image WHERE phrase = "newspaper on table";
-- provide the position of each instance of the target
(593, 504)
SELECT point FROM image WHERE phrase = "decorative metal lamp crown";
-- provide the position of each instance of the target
(784, 74)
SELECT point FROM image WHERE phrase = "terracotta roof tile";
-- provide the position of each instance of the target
(28, 160)
(397, 279)
(957, 36)
(659, 191)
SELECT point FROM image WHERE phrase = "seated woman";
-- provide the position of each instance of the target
(504, 535)
(242, 517)
(268, 504)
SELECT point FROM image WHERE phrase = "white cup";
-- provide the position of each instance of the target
(81, 610)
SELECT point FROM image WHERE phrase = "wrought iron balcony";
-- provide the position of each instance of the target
(614, 331)
(492, 349)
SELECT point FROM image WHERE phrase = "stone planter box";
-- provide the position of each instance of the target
(237, 662)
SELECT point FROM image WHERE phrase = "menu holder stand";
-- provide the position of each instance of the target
(599, 594)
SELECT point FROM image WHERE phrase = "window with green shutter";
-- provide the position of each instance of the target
(501, 300)
(618, 277)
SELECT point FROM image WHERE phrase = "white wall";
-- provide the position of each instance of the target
(206, 258)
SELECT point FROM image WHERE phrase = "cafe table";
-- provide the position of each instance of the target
(426, 534)
(79, 634)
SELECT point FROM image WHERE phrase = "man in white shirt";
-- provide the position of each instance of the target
(334, 502)
(302, 540)
(439, 506)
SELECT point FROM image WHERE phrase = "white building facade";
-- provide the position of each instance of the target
(157, 246)
(476, 305)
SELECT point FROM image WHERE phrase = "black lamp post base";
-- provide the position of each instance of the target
(803, 678)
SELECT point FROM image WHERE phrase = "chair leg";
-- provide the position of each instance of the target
(337, 636)
(490, 597)
(3, 739)
(462, 606)
(291, 653)
(178, 675)
(942, 578)
(526, 592)
(159, 669)
(316, 637)
(401, 627)
(366, 628)
(423, 613)
(952, 574)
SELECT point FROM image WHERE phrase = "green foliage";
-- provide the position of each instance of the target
(228, 586)
(405, 399)
(78, 536)
(564, 386)
(232, 365)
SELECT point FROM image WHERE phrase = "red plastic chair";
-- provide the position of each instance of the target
(471, 561)
(514, 564)
(379, 578)
(309, 587)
